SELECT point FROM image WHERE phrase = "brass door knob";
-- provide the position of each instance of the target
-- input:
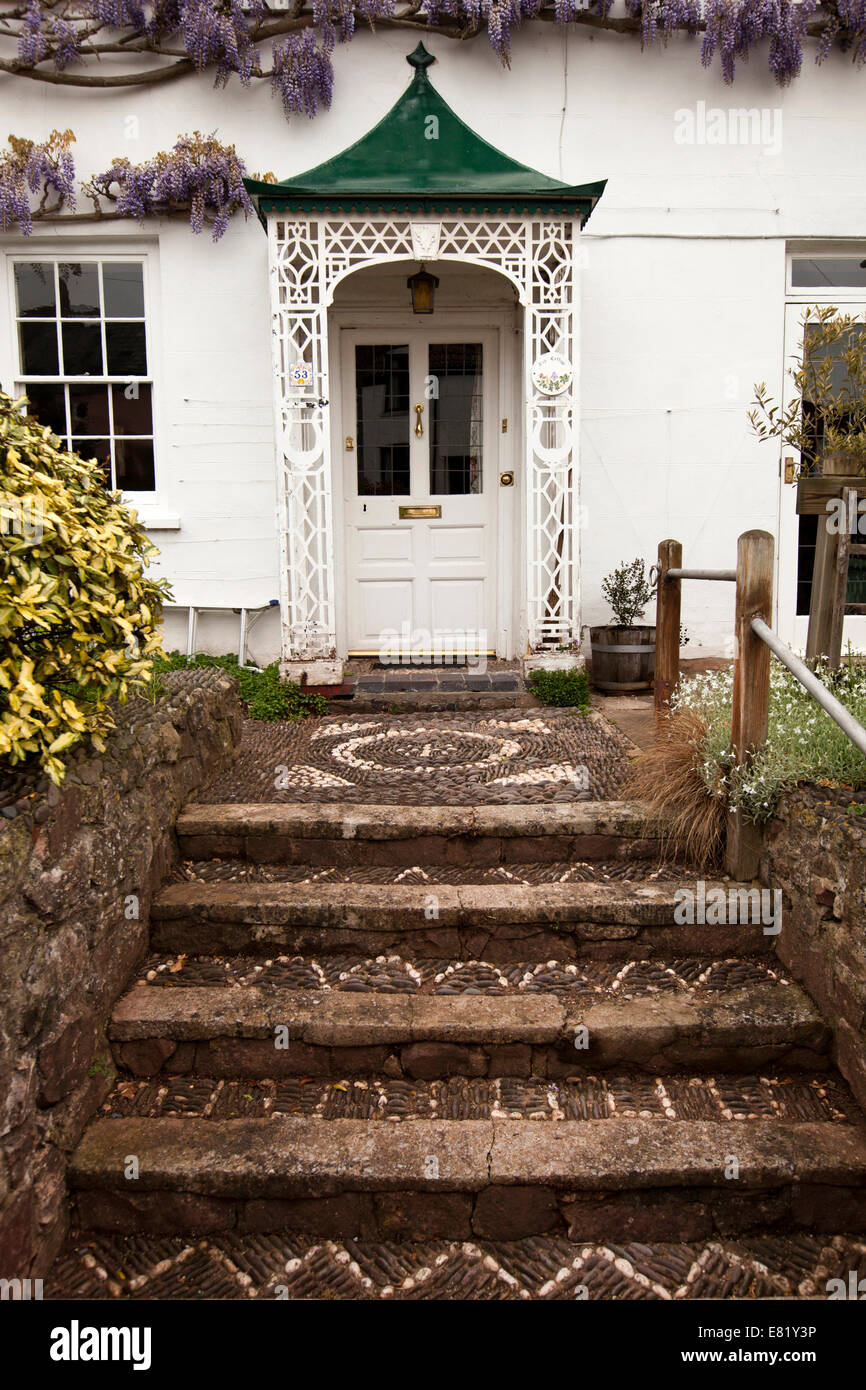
(419, 428)
(506, 479)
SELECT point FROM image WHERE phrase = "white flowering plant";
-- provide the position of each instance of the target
(803, 743)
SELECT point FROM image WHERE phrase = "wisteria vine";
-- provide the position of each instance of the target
(61, 41)
(27, 169)
(199, 175)
(199, 178)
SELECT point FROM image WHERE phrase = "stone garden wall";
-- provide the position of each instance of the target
(78, 867)
(816, 853)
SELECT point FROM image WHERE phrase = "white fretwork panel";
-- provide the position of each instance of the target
(308, 257)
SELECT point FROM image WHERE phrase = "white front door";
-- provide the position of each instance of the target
(421, 485)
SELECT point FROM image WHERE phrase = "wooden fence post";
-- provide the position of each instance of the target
(755, 552)
(839, 590)
(668, 599)
(819, 635)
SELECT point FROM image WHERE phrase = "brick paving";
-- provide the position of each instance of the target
(435, 759)
(236, 1267)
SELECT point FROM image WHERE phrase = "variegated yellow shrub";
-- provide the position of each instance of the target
(78, 616)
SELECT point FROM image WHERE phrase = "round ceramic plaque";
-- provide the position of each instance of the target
(552, 374)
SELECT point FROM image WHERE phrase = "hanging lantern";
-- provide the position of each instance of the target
(423, 287)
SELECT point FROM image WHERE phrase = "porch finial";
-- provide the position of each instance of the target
(420, 59)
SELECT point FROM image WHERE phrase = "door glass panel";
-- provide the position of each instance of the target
(839, 383)
(382, 398)
(455, 418)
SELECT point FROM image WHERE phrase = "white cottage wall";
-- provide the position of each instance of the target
(682, 285)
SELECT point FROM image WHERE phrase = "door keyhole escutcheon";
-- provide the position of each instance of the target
(419, 428)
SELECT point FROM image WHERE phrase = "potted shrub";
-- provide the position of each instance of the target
(623, 653)
(825, 421)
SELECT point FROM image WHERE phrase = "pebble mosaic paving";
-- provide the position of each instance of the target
(591, 980)
(543, 1268)
(437, 759)
(596, 871)
(613, 1095)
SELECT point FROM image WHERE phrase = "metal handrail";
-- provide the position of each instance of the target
(701, 574)
(810, 682)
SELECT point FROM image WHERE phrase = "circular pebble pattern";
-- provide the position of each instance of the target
(439, 759)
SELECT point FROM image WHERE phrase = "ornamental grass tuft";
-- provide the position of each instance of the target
(690, 776)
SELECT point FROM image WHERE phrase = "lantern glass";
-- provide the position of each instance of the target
(423, 287)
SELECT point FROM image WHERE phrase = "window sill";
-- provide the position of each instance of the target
(154, 520)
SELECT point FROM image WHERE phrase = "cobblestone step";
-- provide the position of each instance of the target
(268, 1031)
(494, 922)
(613, 1179)
(347, 834)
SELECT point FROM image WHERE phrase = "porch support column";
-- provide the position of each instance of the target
(302, 415)
(551, 481)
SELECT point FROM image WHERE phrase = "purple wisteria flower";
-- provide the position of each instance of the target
(219, 35)
(303, 75)
(199, 173)
(27, 168)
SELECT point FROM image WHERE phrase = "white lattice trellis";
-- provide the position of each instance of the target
(309, 255)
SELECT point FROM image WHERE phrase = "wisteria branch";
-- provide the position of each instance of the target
(56, 39)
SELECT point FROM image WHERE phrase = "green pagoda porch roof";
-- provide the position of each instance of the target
(422, 158)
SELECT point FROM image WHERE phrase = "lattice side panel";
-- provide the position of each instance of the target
(551, 477)
(304, 479)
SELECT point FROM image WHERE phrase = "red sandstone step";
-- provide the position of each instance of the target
(270, 1031)
(349, 834)
(497, 922)
(622, 1179)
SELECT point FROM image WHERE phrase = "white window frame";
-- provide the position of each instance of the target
(823, 294)
(118, 250)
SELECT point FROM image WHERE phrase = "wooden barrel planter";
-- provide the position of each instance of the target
(623, 658)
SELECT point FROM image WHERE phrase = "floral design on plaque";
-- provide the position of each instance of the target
(300, 375)
(552, 374)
